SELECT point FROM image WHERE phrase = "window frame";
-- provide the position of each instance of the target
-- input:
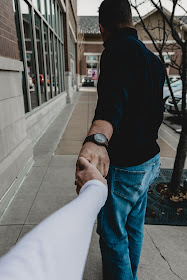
(56, 31)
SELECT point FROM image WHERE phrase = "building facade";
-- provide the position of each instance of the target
(38, 77)
(92, 43)
(91, 48)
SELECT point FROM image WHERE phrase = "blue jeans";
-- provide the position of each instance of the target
(121, 220)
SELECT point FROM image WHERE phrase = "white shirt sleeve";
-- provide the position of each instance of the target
(57, 248)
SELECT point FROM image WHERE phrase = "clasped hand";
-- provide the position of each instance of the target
(92, 164)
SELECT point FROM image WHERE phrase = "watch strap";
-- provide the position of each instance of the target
(91, 139)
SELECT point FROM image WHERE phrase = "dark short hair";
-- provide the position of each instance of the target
(113, 13)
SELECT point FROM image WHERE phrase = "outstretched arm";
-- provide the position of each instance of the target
(58, 247)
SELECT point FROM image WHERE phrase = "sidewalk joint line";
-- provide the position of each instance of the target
(34, 199)
(165, 131)
(167, 143)
(162, 254)
(76, 98)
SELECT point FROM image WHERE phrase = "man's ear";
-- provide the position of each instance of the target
(101, 28)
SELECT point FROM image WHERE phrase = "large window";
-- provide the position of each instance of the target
(92, 62)
(30, 56)
(91, 58)
(40, 34)
(73, 58)
(47, 61)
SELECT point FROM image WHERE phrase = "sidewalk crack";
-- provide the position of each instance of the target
(162, 255)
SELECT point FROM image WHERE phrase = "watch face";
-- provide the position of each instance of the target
(100, 138)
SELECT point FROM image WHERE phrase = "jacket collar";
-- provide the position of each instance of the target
(127, 31)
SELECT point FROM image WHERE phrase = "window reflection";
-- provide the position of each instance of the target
(43, 8)
(36, 3)
(26, 14)
(49, 85)
(56, 67)
(21, 58)
(61, 27)
(62, 66)
(42, 48)
(73, 55)
(53, 64)
(57, 20)
(49, 12)
(53, 14)
(40, 58)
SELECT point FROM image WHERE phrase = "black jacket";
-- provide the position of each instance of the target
(130, 97)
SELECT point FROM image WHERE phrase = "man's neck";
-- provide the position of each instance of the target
(107, 35)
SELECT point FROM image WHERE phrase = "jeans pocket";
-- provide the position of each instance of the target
(127, 182)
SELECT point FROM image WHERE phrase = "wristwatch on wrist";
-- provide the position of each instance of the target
(99, 139)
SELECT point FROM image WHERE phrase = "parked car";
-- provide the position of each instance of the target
(88, 81)
(178, 98)
(173, 79)
(176, 86)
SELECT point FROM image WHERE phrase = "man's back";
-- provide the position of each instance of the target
(132, 78)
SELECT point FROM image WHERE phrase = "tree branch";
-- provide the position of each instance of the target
(170, 21)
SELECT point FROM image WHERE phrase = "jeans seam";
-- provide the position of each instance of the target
(134, 172)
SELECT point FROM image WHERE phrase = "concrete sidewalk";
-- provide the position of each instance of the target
(50, 185)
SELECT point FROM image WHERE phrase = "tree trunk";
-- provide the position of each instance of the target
(182, 146)
(180, 158)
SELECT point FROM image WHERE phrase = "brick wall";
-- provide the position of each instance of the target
(8, 35)
(72, 20)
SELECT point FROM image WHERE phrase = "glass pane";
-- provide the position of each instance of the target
(53, 64)
(63, 63)
(72, 47)
(91, 58)
(40, 58)
(26, 14)
(49, 12)
(46, 43)
(62, 67)
(61, 27)
(92, 65)
(53, 14)
(36, 4)
(43, 10)
(21, 58)
(56, 66)
(59, 68)
(57, 20)
(73, 72)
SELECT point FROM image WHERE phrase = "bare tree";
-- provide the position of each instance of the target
(80, 46)
(170, 25)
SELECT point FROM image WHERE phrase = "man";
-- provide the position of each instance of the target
(128, 116)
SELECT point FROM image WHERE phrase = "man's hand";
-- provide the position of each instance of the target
(96, 155)
(87, 172)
